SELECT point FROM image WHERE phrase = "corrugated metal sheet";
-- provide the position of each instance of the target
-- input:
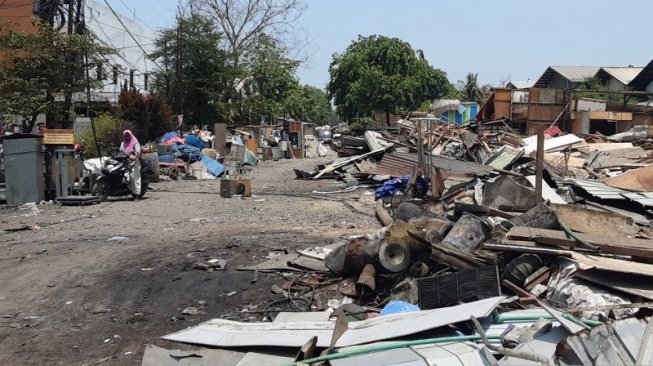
(571, 73)
(521, 84)
(576, 73)
(449, 164)
(602, 191)
(624, 342)
(393, 166)
(623, 74)
(599, 190)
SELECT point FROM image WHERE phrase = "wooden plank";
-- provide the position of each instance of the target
(612, 116)
(604, 146)
(640, 180)
(607, 244)
(584, 220)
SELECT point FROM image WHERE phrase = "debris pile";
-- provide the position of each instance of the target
(496, 248)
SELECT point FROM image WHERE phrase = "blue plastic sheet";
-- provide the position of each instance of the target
(212, 166)
(186, 152)
(168, 136)
(391, 186)
(396, 307)
(194, 141)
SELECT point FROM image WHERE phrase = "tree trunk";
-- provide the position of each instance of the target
(387, 117)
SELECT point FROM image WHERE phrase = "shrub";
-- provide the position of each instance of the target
(109, 130)
(150, 115)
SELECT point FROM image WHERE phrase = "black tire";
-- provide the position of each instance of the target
(144, 186)
(101, 190)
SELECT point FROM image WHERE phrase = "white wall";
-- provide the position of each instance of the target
(104, 25)
(615, 85)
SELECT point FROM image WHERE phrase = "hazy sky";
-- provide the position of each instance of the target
(499, 39)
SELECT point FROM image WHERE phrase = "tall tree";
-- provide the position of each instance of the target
(469, 89)
(194, 70)
(378, 73)
(269, 81)
(308, 103)
(244, 22)
(35, 71)
(150, 115)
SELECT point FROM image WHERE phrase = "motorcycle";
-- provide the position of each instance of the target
(113, 180)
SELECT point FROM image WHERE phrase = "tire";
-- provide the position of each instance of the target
(101, 190)
(144, 186)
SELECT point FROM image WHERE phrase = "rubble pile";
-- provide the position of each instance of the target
(493, 250)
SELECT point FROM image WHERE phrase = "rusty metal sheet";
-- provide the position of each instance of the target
(449, 164)
(393, 166)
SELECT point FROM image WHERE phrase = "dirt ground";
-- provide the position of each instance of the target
(68, 296)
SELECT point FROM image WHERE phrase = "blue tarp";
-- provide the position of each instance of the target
(186, 152)
(195, 141)
(212, 166)
(391, 186)
(168, 136)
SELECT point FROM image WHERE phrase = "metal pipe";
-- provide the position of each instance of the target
(506, 351)
(389, 346)
(503, 318)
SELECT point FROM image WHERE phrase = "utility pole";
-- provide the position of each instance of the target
(69, 105)
(165, 63)
(179, 99)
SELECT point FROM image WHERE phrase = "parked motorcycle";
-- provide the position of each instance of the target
(113, 180)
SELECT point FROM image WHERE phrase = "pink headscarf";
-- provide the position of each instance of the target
(128, 141)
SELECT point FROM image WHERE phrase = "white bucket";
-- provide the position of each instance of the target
(284, 146)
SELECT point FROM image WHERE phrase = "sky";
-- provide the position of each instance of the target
(500, 40)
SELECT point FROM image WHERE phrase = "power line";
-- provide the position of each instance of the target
(121, 30)
(130, 34)
(134, 12)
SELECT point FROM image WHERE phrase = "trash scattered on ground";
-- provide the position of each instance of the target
(118, 239)
(519, 249)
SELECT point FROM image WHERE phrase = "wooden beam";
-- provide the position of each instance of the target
(606, 244)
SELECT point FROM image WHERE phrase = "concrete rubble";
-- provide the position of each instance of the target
(516, 246)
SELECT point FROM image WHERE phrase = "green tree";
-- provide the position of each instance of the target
(34, 71)
(469, 90)
(200, 90)
(593, 88)
(378, 73)
(269, 81)
(308, 103)
(108, 130)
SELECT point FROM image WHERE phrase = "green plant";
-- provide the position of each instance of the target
(381, 74)
(359, 126)
(150, 115)
(108, 129)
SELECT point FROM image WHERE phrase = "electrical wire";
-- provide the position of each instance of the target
(130, 34)
(137, 18)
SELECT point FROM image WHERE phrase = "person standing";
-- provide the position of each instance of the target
(132, 148)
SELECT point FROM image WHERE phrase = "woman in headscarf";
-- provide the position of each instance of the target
(132, 148)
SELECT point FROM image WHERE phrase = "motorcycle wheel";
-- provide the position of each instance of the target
(101, 190)
(144, 187)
